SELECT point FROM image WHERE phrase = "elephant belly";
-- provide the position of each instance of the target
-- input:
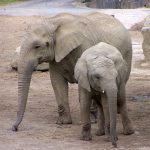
(69, 76)
(67, 71)
(66, 66)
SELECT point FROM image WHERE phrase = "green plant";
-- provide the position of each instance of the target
(4, 2)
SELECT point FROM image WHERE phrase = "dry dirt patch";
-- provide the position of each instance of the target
(38, 130)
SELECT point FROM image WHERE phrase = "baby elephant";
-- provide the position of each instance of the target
(101, 73)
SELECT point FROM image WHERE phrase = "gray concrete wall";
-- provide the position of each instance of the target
(120, 3)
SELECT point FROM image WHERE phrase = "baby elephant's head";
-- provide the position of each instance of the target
(100, 73)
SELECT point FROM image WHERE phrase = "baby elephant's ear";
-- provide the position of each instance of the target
(81, 74)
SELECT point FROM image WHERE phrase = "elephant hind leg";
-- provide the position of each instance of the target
(93, 111)
(122, 108)
(127, 125)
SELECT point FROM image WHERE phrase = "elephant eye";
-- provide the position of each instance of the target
(47, 44)
(97, 76)
(37, 46)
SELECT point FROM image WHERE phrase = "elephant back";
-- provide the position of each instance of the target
(111, 31)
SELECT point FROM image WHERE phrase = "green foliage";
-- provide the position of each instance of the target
(4, 2)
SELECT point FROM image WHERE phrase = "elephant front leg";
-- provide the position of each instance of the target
(122, 106)
(100, 121)
(85, 103)
(60, 86)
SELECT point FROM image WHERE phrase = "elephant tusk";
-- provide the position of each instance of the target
(103, 91)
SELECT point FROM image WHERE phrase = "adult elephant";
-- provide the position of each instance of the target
(61, 41)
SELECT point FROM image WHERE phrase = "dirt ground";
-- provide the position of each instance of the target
(38, 130)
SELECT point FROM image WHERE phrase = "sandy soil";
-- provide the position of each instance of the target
(38, 130)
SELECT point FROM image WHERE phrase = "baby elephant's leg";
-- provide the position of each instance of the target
(85, 103)
(122, 106)
(93, 111)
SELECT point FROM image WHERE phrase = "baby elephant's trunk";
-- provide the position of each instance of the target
(112, 102)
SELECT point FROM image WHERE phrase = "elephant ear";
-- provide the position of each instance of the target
(81, 74)
(67, 39)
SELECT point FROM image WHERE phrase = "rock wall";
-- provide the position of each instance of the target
(124, 4)
(148, 3)
(132, 3)
(146, 39)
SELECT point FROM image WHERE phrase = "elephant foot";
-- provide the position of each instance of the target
(64, 117)
(86, 136)
(100, 132)
(14, 128)
(128, 130)
(86, 133)
(112, 139)
(64, 120)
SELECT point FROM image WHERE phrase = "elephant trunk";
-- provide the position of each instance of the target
(25, 69)
(112, 102)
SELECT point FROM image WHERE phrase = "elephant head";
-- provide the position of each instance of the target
(36, 47)
(98, 73)
(103, 70)
(42, 43)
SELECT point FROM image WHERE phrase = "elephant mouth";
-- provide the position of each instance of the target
(41, 60)
(98, 89)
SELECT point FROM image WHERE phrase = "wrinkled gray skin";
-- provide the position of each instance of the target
(102, 72)
(61, 41)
